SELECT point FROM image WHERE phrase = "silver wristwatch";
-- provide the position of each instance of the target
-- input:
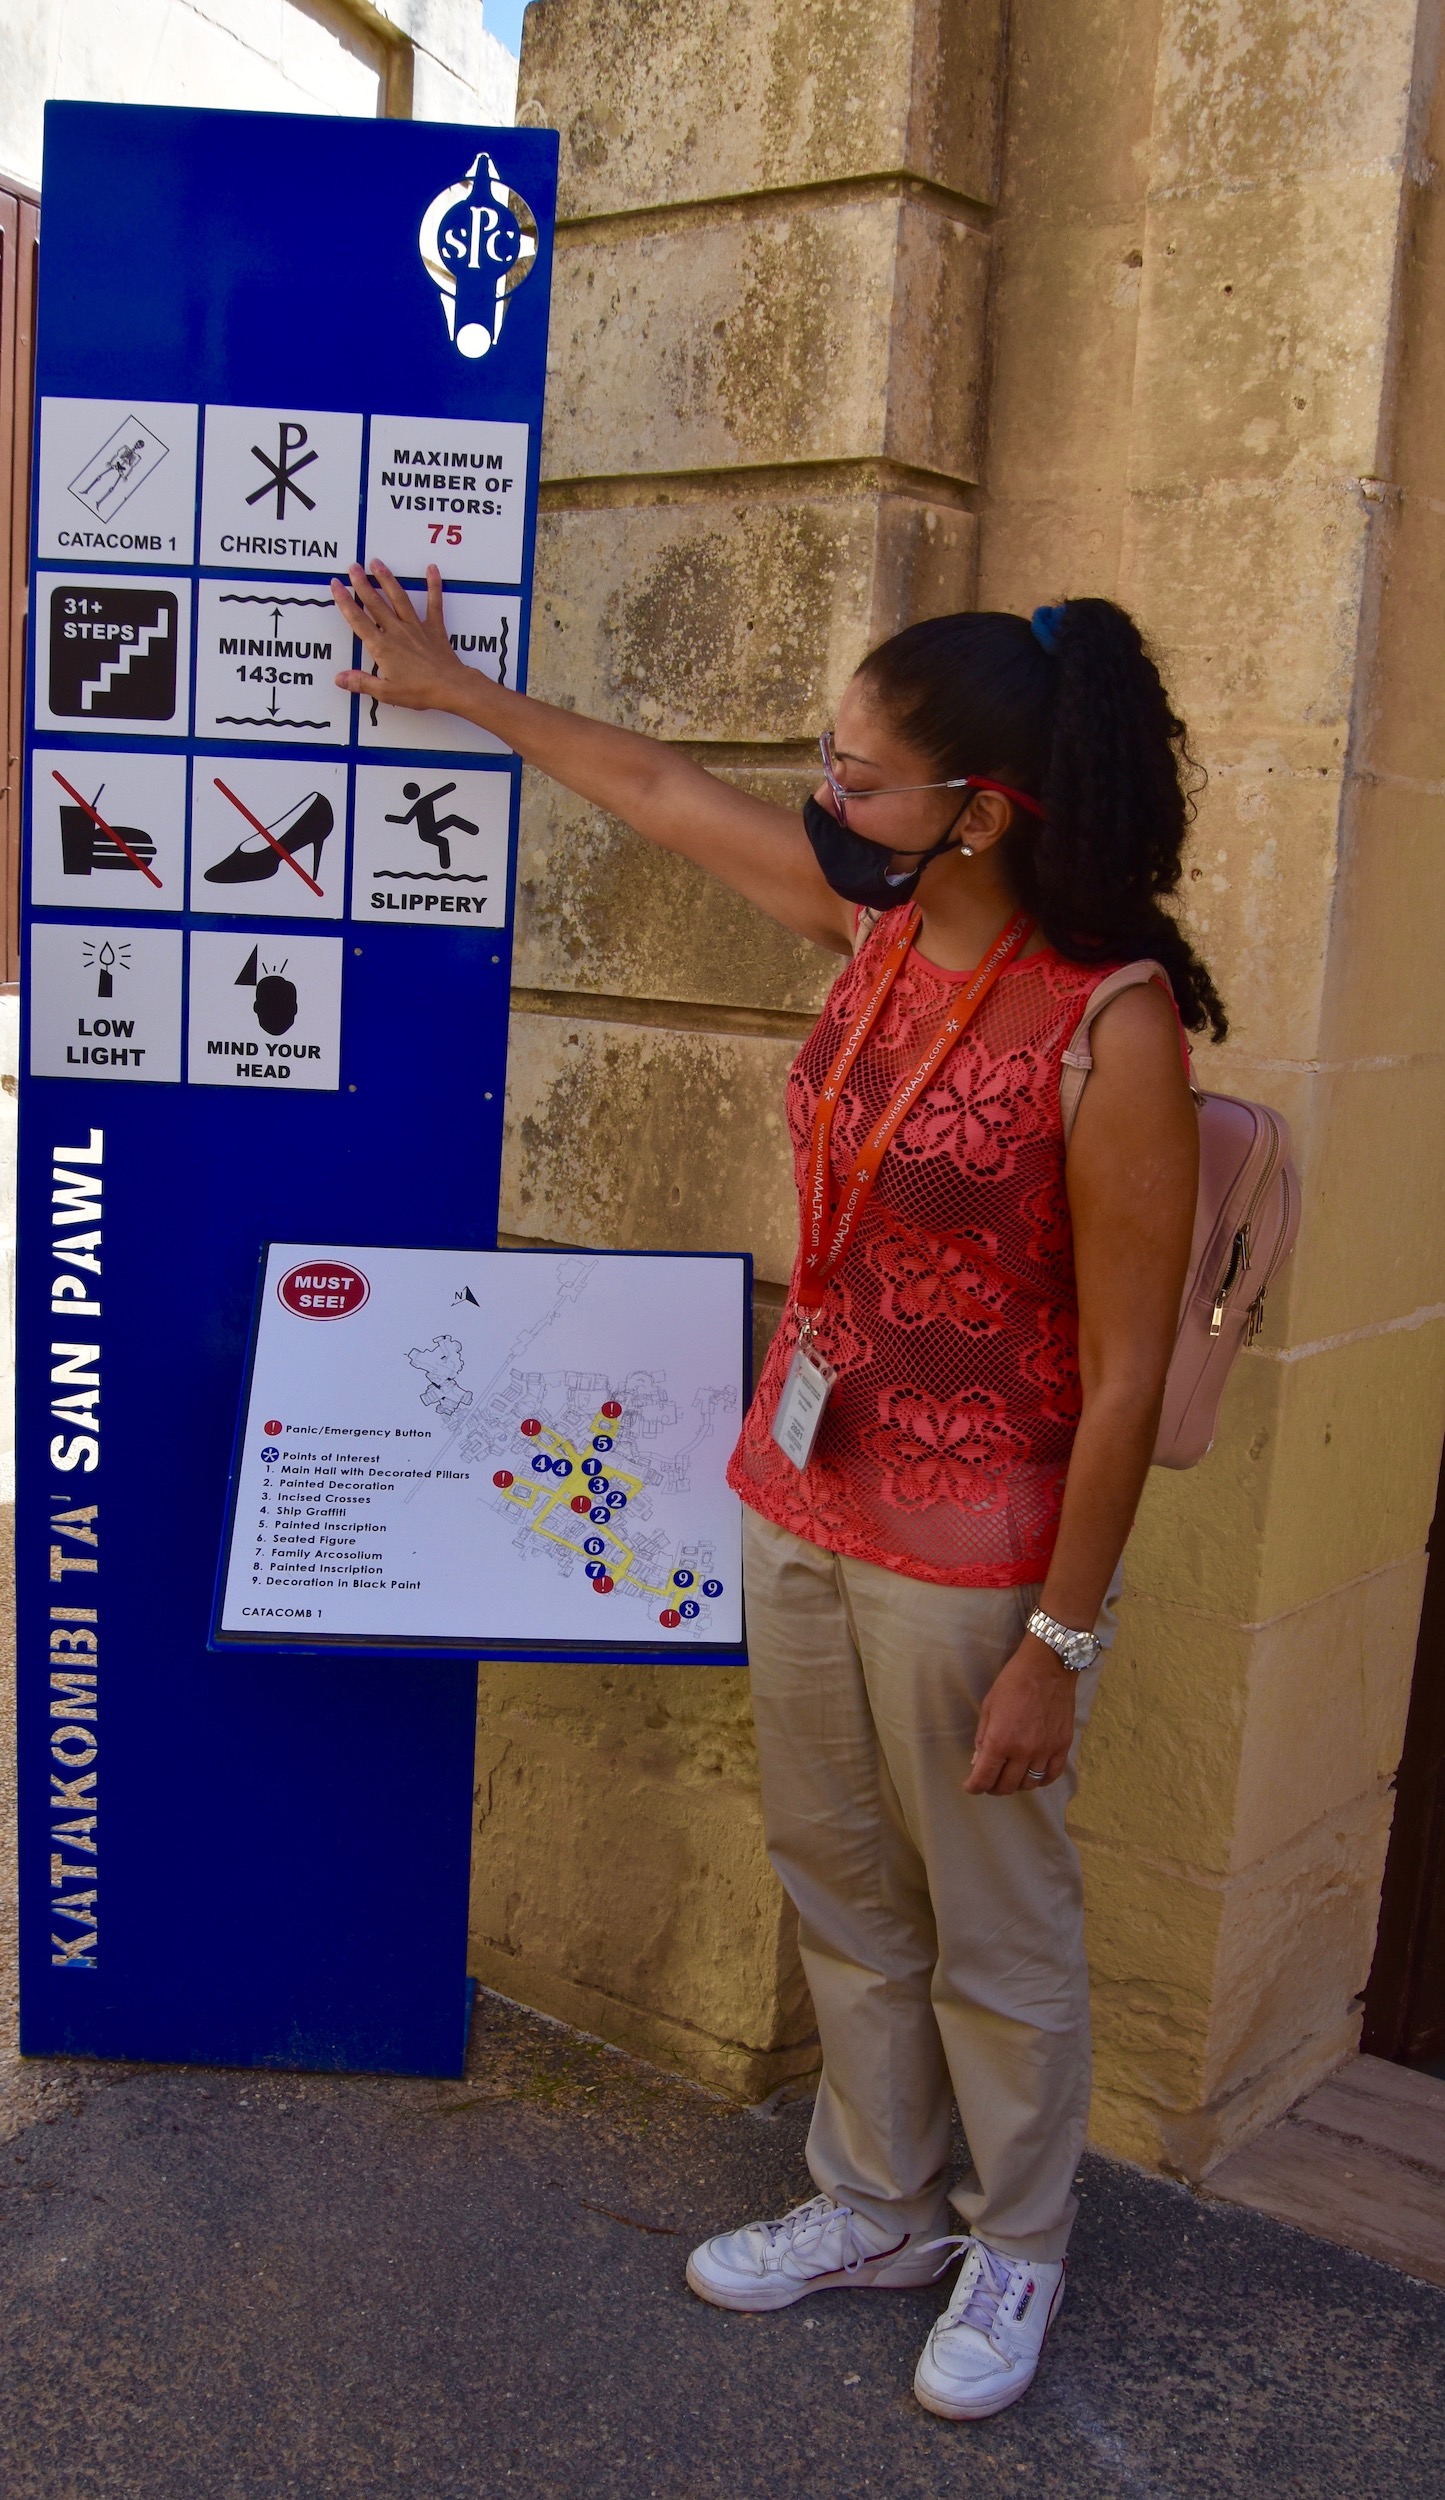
(1076, 1650)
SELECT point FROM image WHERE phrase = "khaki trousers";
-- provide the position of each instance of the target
(941, 1934)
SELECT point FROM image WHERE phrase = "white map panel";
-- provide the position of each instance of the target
(515, 1445)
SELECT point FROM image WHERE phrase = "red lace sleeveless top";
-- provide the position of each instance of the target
(953, 1321)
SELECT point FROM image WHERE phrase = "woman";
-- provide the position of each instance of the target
(952, 1429)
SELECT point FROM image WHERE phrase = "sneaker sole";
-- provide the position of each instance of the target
(971, 2413)
(783, 2295)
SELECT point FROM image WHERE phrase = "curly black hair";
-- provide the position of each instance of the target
(1082, 722)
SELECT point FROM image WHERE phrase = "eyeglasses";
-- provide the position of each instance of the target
(963, 781)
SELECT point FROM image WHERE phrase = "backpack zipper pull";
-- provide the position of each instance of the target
(1238, 1262)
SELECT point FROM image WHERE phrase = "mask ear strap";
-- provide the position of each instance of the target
(939, 847)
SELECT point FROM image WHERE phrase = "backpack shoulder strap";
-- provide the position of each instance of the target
(1078, 1058)
(864, 926)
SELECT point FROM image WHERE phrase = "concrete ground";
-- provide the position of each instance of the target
(223, 2286)
(297, 2287)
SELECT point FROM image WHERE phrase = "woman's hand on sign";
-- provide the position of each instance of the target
(412, 662)
(755, 845)
(1026, 1724)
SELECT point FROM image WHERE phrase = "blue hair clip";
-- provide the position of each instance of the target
(1047, 625)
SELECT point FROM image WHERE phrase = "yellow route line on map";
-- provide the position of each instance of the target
(557, 1494)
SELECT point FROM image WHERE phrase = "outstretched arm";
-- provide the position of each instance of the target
(759, 849)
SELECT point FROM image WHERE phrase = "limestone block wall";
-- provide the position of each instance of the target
(865, 312)
(1218, 334)
(763, 451)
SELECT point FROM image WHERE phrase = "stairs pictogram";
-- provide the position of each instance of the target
(138, 650)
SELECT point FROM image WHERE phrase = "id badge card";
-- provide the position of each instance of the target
(800, 1408)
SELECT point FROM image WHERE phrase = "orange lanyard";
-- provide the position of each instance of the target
(828, 1224)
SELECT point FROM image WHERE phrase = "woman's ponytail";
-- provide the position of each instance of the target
(1073, 710)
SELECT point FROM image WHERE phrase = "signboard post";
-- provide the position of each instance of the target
(267, 964)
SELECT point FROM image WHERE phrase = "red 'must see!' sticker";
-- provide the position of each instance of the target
(332, 1292)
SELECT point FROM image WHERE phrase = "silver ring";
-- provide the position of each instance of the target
(1036, 1776)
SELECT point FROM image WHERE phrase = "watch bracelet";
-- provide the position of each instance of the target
(1055, 1635)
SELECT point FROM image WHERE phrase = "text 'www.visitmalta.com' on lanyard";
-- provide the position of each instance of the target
(829, 1224)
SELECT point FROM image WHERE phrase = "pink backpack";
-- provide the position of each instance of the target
(1244, 1227)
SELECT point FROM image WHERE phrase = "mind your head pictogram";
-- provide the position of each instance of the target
(478, 241)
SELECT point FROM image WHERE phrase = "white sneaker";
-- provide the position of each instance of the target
(985, 2348)
(818, 2247)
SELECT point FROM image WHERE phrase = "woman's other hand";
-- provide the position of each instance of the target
(413, 664)
(1026, 1724)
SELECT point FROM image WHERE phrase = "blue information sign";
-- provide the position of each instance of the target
(267, 936)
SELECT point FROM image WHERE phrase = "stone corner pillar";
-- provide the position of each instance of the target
(1219, 321)
(763, 454)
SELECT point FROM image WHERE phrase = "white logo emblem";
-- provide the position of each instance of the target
(478, 241)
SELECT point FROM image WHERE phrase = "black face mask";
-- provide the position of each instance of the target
(859, 870)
